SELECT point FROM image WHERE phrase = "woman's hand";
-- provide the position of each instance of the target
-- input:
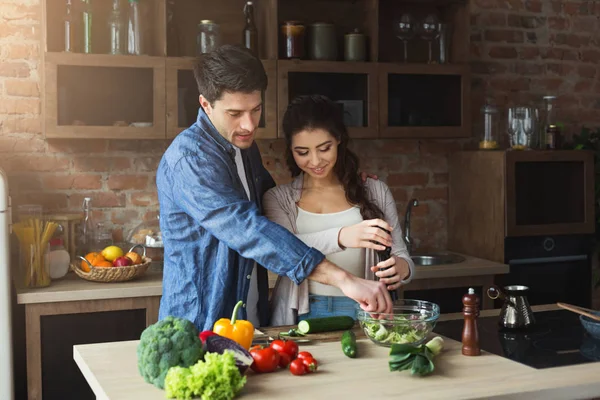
(397, 270)
(364, 233)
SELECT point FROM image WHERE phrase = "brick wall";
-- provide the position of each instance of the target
(521, 50)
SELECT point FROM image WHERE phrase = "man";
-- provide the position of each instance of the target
(210, 184)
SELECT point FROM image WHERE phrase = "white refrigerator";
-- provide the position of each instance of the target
(6, 351)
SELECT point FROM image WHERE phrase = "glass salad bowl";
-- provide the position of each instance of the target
(410, 322)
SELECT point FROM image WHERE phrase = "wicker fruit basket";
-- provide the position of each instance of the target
(112, 274)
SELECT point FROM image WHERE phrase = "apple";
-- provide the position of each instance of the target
(122, 262)
(134, 257)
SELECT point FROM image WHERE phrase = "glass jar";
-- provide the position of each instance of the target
(209, 36)
(33, 234)
(293, 39)
(148, 234)
(489, 139)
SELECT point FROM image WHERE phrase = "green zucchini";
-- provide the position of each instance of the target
(327, 324)
(349, 344)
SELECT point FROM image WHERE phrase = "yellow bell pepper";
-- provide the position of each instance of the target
(238, 330)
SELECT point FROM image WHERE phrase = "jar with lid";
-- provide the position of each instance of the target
(322, 42)
(209, 36)
(293, 39)
(355, 46)
(489, 133)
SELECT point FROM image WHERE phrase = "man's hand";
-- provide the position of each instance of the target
(364, 176)
(364, 233)
(372, 296)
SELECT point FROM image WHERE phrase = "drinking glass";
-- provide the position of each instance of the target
(521, 125)
(405, 30)
(430, 31)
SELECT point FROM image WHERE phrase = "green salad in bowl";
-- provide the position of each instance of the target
(409, 323)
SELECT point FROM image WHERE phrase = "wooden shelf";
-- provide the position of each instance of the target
(172, 54)
(103, 60)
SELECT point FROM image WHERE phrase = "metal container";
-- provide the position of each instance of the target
(355, 46)
(209, 36)
(322, 43)
(516, 312)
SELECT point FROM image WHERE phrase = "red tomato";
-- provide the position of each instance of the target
(310, 364)
(304, 354)
(265, 360)
(286, 346)
(284, 360)
(297, 367)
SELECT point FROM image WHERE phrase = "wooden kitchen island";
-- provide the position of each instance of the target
(75, 304)
(111, 371)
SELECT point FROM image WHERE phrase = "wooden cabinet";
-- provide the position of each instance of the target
(352, 85)
(182, 97)
(154, 96)
(424, 101)
(102, 96)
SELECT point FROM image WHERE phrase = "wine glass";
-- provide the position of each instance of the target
(405, 30)
(430, 31)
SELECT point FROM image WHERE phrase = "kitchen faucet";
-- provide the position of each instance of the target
(407, 239)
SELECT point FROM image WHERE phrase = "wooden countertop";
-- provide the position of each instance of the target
(74, 288)
(472, 266)
(111, 371)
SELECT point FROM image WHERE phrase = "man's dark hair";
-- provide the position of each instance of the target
(229, 68)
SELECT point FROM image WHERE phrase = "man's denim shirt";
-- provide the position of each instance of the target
(211, 231)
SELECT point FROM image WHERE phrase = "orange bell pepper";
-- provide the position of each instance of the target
(238, 330)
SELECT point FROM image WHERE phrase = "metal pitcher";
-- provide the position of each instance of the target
(516, 312)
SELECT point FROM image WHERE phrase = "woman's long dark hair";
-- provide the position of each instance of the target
(319, 112)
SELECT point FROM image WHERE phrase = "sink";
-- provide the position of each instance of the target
(437, 259)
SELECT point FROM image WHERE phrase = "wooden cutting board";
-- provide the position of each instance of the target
(274, 331)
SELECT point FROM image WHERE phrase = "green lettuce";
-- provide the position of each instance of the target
(215, 378)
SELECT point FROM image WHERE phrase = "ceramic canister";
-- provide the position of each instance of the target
(322, 42)
(355, 46)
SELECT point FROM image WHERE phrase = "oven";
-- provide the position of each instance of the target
(555, 268)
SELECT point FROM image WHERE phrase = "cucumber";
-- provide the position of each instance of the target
(349, 344)
(327, 324)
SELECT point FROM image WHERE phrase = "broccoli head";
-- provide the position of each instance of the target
(170, 342)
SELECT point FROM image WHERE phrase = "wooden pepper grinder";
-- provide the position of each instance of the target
(470, 334)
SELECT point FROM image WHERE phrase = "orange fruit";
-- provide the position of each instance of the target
(94, 258)
(103, 264)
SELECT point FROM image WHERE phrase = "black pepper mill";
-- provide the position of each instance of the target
(470, 334)
(383, 255)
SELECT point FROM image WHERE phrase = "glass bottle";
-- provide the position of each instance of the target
(172, 35)
(86, 229)
(489, 139)
(115, 25)
(69, 28)
(549, 129)
(250, 31)
(87, 26)
(134, 31)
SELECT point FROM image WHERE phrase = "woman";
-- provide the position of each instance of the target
(331, 209)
